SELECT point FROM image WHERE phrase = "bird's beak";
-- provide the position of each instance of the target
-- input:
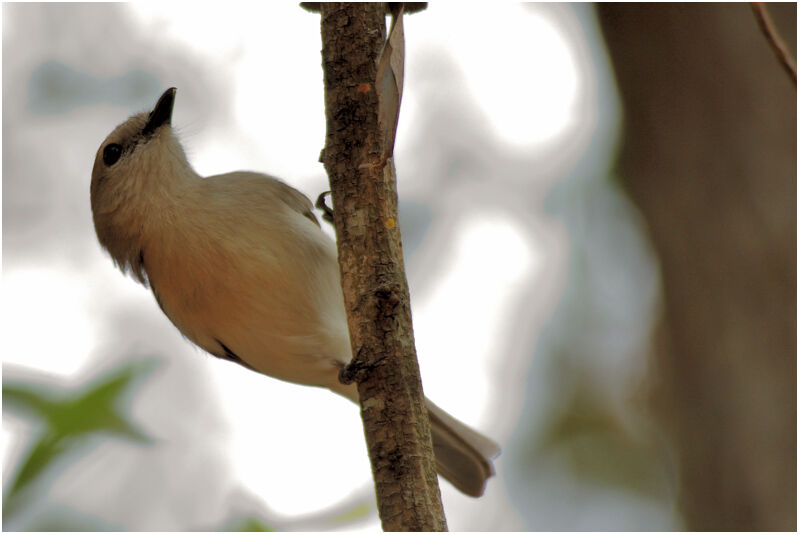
(162, 113)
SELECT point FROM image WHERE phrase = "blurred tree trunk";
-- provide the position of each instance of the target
(709, 157)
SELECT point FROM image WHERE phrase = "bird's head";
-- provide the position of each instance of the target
(136, 168)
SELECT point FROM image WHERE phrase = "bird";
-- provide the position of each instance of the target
(239, 264)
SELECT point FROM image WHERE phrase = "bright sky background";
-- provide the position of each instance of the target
(527, 94)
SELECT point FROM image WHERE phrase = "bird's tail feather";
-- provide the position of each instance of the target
(463, 456)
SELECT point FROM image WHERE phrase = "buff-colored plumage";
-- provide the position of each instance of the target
(239, 264)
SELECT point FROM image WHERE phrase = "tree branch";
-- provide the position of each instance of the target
(774, 39)
(361, 171)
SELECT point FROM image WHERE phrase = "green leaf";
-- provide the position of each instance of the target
(69, 416)
(98, 408)
(43, 452)
(24, 398)
(40, 456)
(92, 409)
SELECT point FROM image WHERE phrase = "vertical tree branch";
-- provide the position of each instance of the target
(373, 280)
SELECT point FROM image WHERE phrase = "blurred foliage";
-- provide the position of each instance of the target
(356, 513)
(326, 520)
(67, 418)
(248, 523)
(598, 445)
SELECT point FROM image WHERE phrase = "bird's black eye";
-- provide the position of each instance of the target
(111, 154)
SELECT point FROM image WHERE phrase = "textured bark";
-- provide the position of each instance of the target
(710, 157)
(373, 279)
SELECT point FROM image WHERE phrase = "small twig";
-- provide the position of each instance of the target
(773, 37)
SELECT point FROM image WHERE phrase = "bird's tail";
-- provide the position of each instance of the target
(463, 456)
